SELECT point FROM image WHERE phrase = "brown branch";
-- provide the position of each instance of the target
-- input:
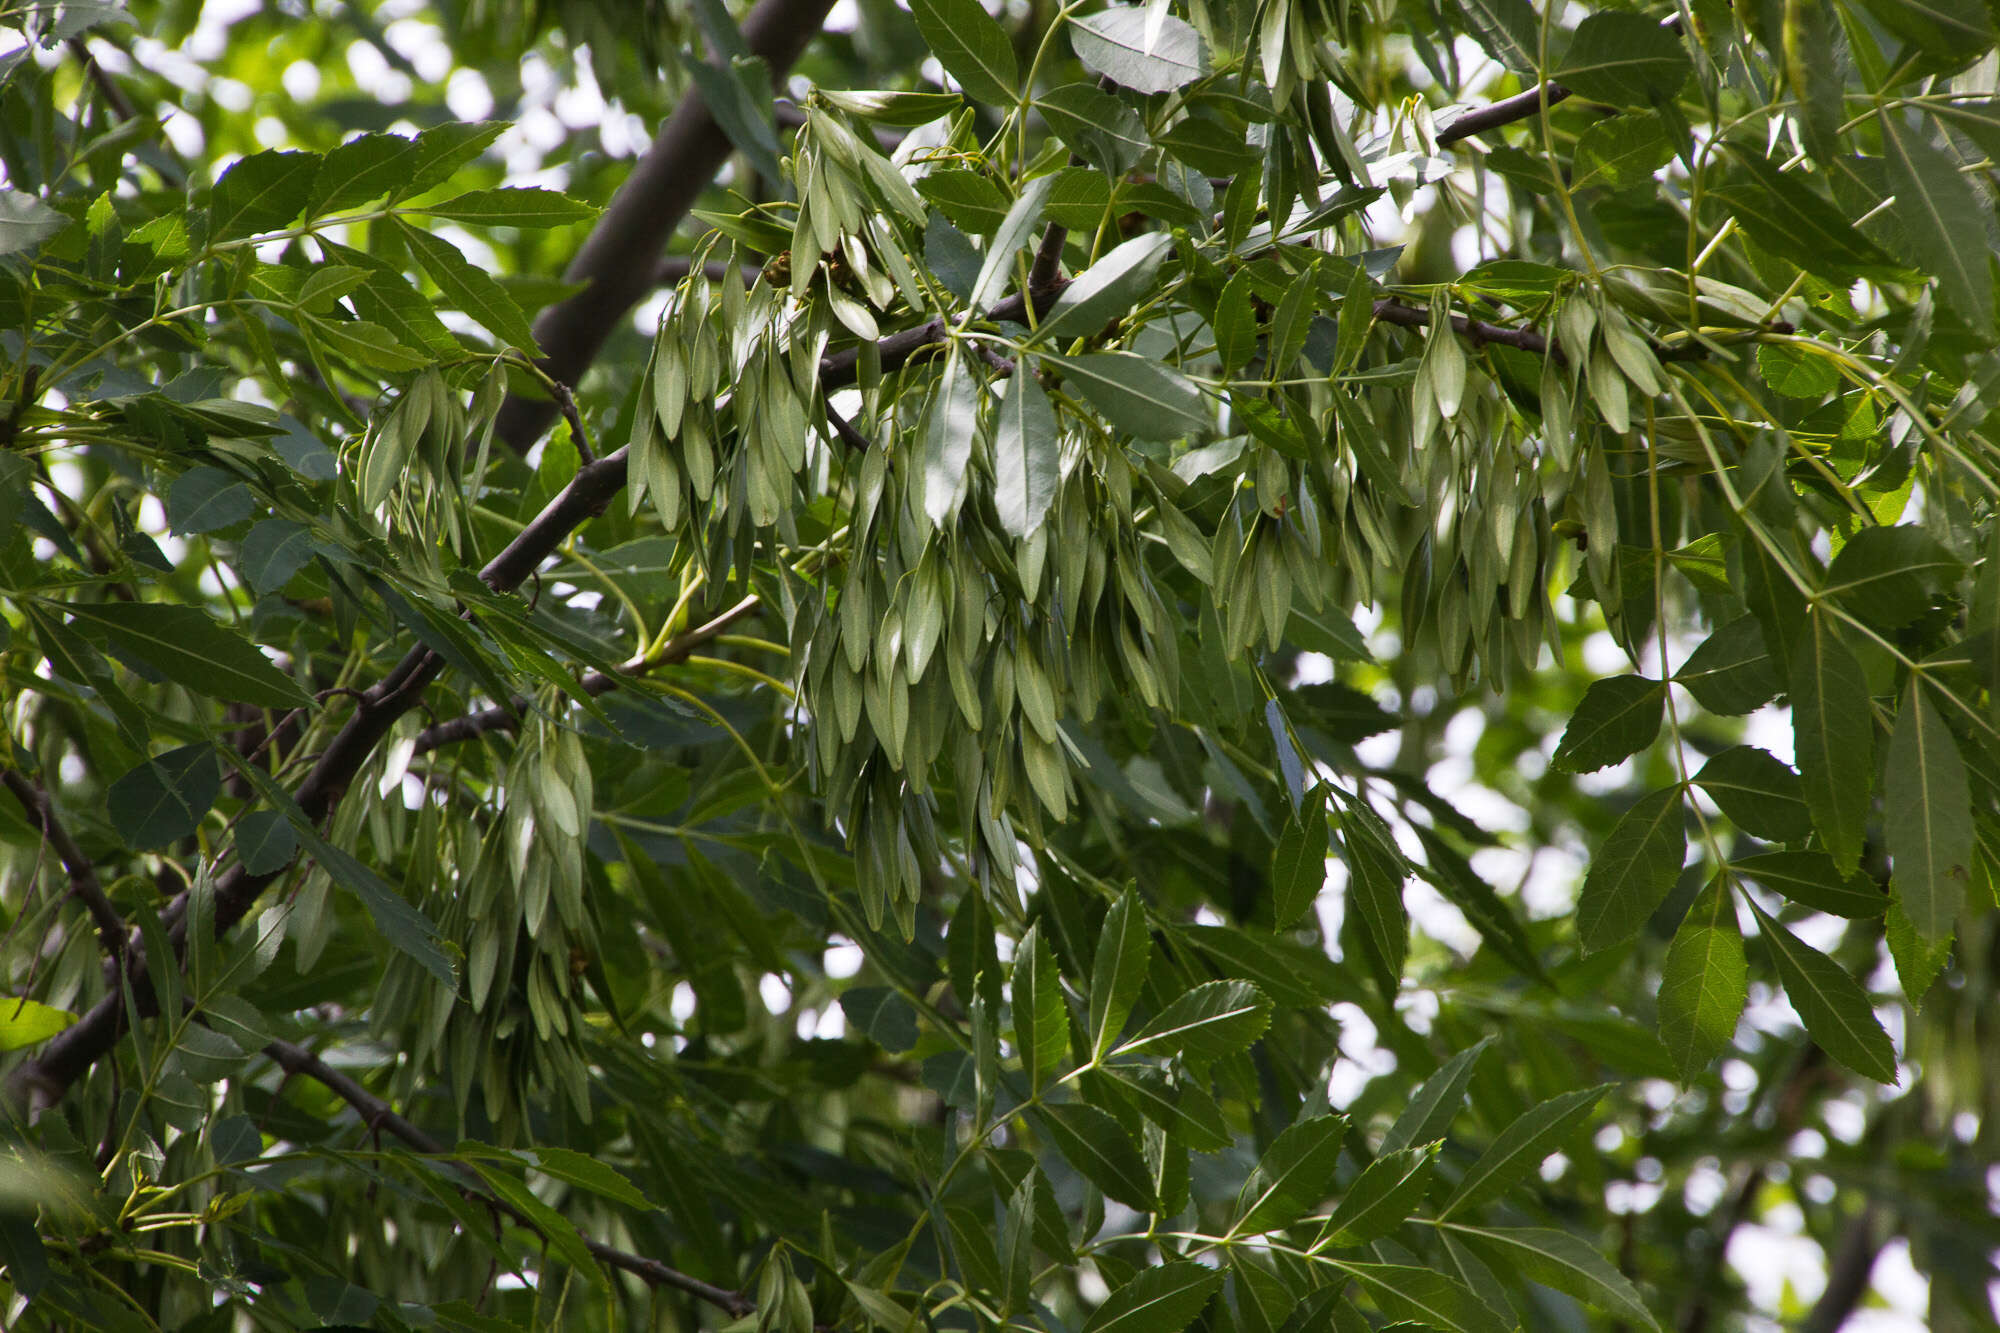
(1518, 107)
(675, 267)
(897, 350)
(379, 1116)
(1503, 112)
(617, 263)
(83, 884)
(596, 683)
(1847, 1271)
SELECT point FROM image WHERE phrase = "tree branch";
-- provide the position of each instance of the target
(1847, 1271)
(1506, 111)
(595, 683)
(1518, 107)
(378, 1115)
(83, 884)
(617, 262)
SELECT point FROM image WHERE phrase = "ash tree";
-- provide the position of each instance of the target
(1294, 665)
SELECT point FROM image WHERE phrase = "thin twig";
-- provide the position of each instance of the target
(678, 649)
(1520, 106)
(83, 883)
(378, 1116)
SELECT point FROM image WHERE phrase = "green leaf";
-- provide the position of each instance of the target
(1918, 962)
(1185, 1110)
(970, 199)
(471, 290)
(163, 799)
(1236, 323)
(739, 97)
(203, 499)
(1888, 575)
(1521, 1147)
(1812, 880)
(1621, 152)
(1565, 1262)
(1731, 672)
(1376, 873)
(363, 343)
(1289, 972)
(590, 1174)
(1099, 1148)
(265, 843)
(1835, 1009)
(26, 221)
(262, 192)
(1041, 1020)
(365, 167)
(948, 436)
(1927, 817)
(1295, 1173)
(1298, 861)
(562, 1235)
(1795, 372)
(25, 1023)
(1508, 29)
(1161, 1299)
(1107, 289)
(272, 552)
(1026, 455)
(1617, 718)
(1759, 792)
(889, 107)
(1139, 48)
(1138, 396)
(1124, 949)
(1079, 199)
(1213, 1021)
(192, 650)
(1380, 1198)
(513, 207)
(1780, 212)
(881, 1015)
(1424, 1297)
(1703, 983)
(438, 153)
(971, 47)
(1950, 33)
(1096, 125)
(1624, 59)
(1015, 231)
(1632, 872)
(1834, 737)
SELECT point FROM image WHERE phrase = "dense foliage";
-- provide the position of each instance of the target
(890, 787)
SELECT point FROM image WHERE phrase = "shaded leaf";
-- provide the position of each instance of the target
(1703, 983)
(1521, 1146)
(1834, 737)
(970, 46)
(1099, 1148)
(192, 650)
(1161, 1299)
(1295, 1173)
(1832, 1004)
(1380, 1198)
(1618, 717)
(1760, 793)
(1214, 1020)
(1631, 873)
(1927, 817)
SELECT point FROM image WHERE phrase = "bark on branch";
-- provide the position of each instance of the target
(83, 883)
(617, 263)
